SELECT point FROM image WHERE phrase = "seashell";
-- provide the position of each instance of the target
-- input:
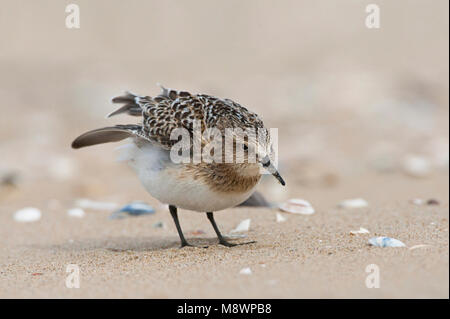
(385, 242)
(243, 226)
(281, 218)
(28, 214)
(297, 206)
(353, 203)
(76, 212)
(245, 271)
(417, 201)
(419, 246)
(94, 205)
(133, 209)
(360, 231)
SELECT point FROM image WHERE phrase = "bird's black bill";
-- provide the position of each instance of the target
(269, 166)
(279, 178)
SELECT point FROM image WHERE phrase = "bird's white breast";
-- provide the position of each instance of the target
(169, 183)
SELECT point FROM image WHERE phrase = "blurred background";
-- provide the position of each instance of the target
(360, 113)
(351, 103)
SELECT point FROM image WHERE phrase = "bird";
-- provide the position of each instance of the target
(204, 186)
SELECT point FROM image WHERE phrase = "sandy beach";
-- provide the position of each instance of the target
(360, 114)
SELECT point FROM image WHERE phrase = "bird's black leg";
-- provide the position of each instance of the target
(222, 240)
(173, 212)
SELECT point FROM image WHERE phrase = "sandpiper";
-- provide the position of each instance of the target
(203, 187)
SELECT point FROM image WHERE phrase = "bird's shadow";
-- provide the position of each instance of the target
(127, 244)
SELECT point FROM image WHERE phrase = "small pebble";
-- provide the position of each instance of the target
(245, 271)
(76, 212)
(9, 179)
(385, 242)
(281, 218)
(159, 225)
(197, 232)
(353, 203)
(297, 206)
(28, 214)
(433, 202)
(243, 226)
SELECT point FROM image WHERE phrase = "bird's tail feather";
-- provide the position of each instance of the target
(131, 107)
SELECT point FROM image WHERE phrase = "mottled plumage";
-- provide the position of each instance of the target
(179, 109)
(203, 187)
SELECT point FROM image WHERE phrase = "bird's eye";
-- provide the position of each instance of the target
(245, 147)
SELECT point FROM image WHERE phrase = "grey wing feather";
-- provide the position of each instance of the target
(106, 135)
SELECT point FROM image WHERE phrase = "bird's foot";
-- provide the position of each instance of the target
(228, 244)
(186, 244)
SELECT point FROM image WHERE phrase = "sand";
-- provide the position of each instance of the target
(305, 257)
(352, 105)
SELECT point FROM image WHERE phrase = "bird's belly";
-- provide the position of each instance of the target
(171, 187)
(170, 184)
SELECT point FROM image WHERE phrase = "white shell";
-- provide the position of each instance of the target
(245, 271)
(243, 226)
(297, 206)
(417, 201)
(281, 218)
(76, 212)
(28, 214)
(353, 203)
(90, 204)
(360, 231)
(385, 242)
(419, 246)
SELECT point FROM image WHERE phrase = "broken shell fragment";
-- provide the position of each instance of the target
(243, 226)
(94, 205)
(281, 218)
(76, 212)
(360, 231)
(133, 209)
(28, 214)
(419, 246)
(385, 242)
(245, 271)
(297, 206)
(353, 203)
